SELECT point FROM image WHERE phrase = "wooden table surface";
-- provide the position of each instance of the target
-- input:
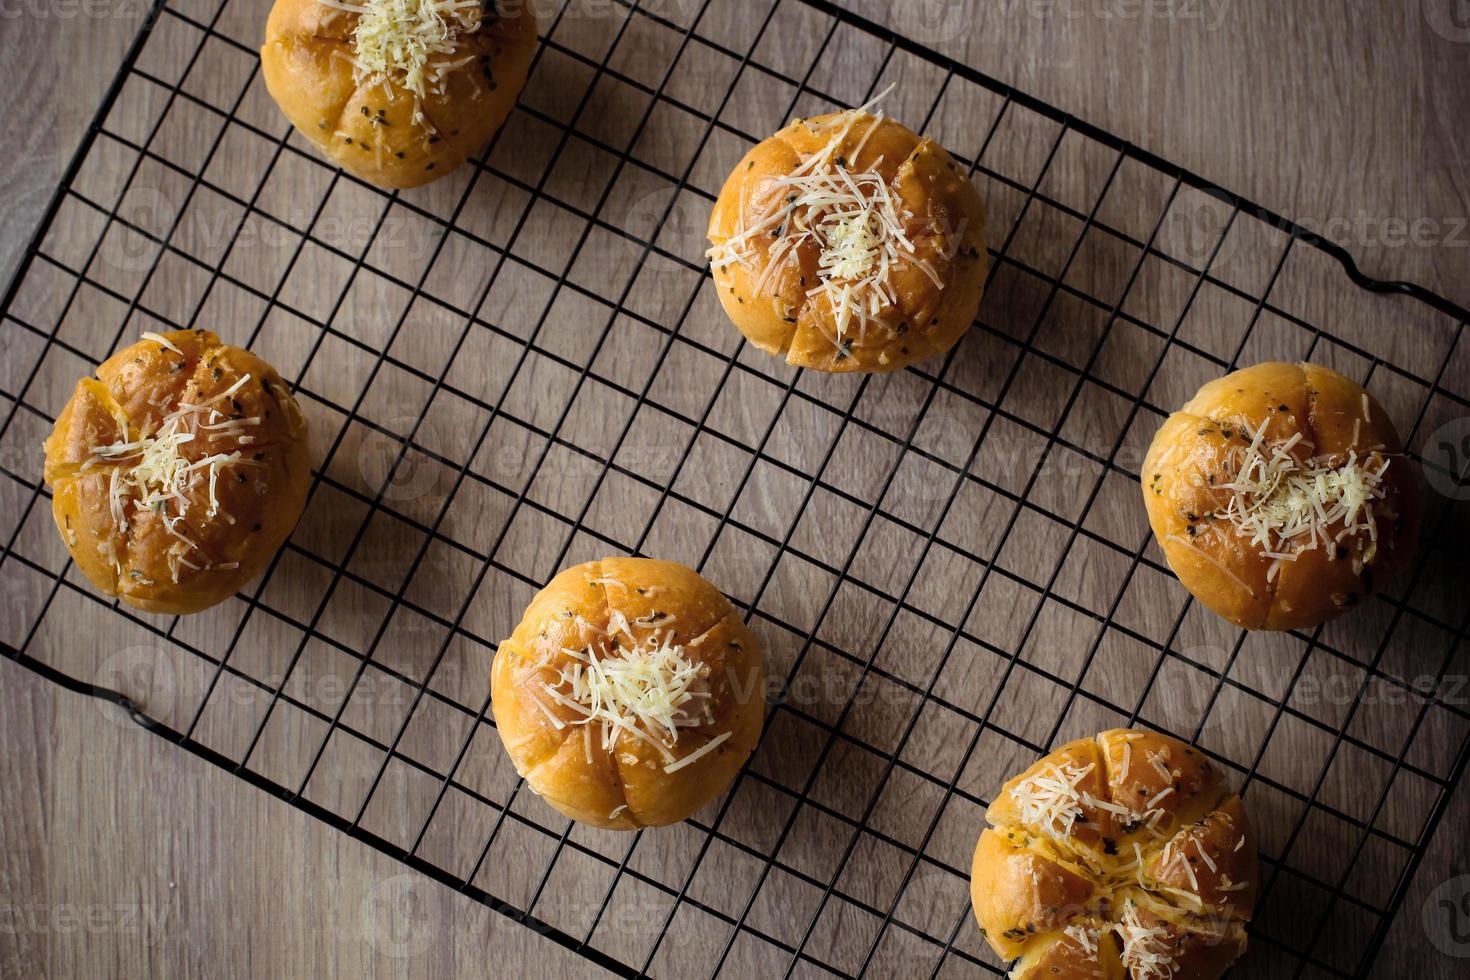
(122, 855)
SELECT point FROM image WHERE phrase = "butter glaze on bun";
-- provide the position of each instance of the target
(630, 694)
(1119, 856)
(846, 242)
(1280, 495)
(397, 92)
(178, 471)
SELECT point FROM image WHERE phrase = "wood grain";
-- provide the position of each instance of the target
(121, 855)
(1345, 122)
(1300, 107)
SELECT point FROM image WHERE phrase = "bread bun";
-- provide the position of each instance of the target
(1122, 855)
(846, 242)
(178, 471)
(1280, 495)
(630, 694)
(397, 92)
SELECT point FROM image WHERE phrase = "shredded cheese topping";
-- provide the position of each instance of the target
(1146, 949)
(1285, 506)
(1050, 798)
(646, 688)
(1084, 936)
(850, 216)
(154, 471)
(411, 42)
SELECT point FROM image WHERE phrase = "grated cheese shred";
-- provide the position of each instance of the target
(1205, 856)
(1161, 794)
(1182, 859)
(698, 753)
(161, 341)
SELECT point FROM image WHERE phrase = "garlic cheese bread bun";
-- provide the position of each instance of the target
(630, 694)
(397, 92)
(178, 471)
(845, 242)
(1280, 495)
(1120, 856)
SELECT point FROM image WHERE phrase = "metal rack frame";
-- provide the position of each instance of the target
(944, 934)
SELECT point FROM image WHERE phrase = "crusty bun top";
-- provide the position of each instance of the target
(1116, 856)
(1280, 495)
(177, 471)
(398, 92)
(845, 242)
(630, 694)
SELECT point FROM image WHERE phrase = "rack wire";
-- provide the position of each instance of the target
(521, 367)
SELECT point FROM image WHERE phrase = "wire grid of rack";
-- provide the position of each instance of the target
(522, 366)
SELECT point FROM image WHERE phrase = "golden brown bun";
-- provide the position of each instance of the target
(626, 787)
(1224, 569)
(260, 497)
(942, 214)
(368, 126)
(1127, 838)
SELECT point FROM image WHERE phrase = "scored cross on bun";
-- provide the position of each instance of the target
(630, 694)
(1280, 495)
(1122, 855)
(178, 471)
(846, 242)
(398, 92)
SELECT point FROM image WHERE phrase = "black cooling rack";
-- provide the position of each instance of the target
(521, 367)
